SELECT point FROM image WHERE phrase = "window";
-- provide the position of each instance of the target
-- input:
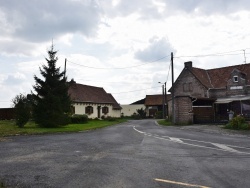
(190, 86)
(187, 87)
(235, 79)
(89, 110)
(105, 110)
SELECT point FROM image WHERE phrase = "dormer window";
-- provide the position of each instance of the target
(235, 78)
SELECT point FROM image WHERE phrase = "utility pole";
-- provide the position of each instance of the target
(65, 67)
(163, 102)
(245, 56)
(172, 91)
(165, 107)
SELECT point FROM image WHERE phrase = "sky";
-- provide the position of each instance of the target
(122, 46)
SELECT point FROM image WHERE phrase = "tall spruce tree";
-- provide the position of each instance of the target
(51, 101)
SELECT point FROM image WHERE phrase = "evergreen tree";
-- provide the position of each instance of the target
(51, 101)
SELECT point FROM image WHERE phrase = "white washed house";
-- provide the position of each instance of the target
(93, 101)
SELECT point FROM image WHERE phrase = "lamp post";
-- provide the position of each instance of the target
(164, 100)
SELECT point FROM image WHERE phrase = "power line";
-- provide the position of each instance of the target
(215, 54)
(119, 67)
(116, 82)
(206, 55)
(137, 90)
(168, 72)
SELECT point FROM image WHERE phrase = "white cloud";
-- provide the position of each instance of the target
(157, 49)
(14, 79)
(116, 33)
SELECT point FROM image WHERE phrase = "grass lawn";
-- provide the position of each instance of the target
(8, 128)
(164, 122)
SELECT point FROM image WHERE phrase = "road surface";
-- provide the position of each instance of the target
(134, 154)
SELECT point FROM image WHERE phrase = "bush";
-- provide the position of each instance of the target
(237, 123)
(142, 113)
(109, 118)
(136, 116)
(22, 110)
(159, 115)
(77, 119)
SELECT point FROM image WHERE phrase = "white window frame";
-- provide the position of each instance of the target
(236, 79)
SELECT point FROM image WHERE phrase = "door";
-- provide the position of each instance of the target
(99, 111)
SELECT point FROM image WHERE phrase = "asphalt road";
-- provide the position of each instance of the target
(132, 154)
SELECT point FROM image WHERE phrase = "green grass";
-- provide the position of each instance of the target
(8, 128)
(164, 122)
(2, 184)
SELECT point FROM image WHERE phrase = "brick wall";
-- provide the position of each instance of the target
(183, 110)
(187, 84)
(186, 87)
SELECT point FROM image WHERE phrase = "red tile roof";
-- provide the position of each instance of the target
(217, 78)
(91, 94)
(155, 100)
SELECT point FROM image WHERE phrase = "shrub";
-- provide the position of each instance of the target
(159, 115)
(136, 116)
(109, 118)
(141, 112)
(77, 119)
(22, 110)
(238, 122)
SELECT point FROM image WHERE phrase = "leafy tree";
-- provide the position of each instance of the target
(22, 110)
(51, 101)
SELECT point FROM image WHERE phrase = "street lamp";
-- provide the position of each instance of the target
(164, 99)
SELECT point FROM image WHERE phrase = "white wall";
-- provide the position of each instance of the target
(80, 109)
(129, 110)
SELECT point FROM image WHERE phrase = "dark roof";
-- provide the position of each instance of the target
(115, 104)
(142, 101)
(218, 77)
(91, 94)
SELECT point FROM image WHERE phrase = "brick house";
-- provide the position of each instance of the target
(208, 95)
(153, 103)
(92, 101)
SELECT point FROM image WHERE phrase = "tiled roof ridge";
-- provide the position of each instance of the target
(231, 66)
(198, 68)
(88, 85)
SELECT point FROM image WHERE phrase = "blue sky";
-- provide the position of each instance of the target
(122, 46)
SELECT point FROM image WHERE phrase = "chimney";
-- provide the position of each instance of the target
(188, 64)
